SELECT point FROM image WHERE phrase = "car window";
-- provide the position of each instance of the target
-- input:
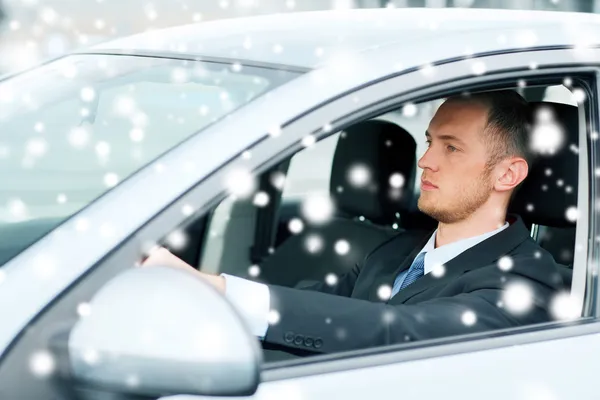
(74, 129)
(310, 170)
(323, 253)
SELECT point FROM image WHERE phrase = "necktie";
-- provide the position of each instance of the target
(415, 271)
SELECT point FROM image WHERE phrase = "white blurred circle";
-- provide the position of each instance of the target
(48, 15)
(564, 307)
(275, 130)
(505, 263)
(478, 68)
(42, 363)
(314, 243)
(409, 110)
(204, 110)
(91, 356)
(107, 230)
(84, 309)
(296, 225)
(102, 149)
(179, 75)
(139, 119)
(317, 208)
(308, 141)
(81, 224)
(274, 317)
(331, 279)
(240, 182)
(438, 270)
(111, 179)
(384, 292)
(359, 175)
(579, 95)
(396, 180)
(79, 136)
(2, 276)
(39, 127)
(124, 105)
(427, 70)
(36, 147)
(261, 199)
(547, 135)
(17, 208)
(136, 135)
(61, 198)
(572, 214)
(469, 318)
(254, 271)
(518, 298)
(177, 239)
(278, 180)
(88, 94)
(342, 247)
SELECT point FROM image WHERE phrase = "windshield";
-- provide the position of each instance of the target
(73, 129)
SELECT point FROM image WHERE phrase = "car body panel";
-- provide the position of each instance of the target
(543, 370)
(326, 34)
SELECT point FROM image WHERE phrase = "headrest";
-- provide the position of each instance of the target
(377, 150)
(550, 188)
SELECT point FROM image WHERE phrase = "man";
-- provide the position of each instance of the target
(479, 270)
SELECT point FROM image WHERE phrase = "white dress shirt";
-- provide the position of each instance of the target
(252, 299)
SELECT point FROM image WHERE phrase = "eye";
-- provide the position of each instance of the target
(428, 143)
(451, 149)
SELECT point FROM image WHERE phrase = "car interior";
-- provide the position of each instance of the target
(237, 235)
(366, 217)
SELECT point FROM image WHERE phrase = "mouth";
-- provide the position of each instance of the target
(426, 185)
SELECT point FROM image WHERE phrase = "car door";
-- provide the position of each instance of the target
(381, 368)
(521, 363)
(524, 365)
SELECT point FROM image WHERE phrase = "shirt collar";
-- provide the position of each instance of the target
(443, 254)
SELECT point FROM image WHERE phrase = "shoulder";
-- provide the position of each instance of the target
(527, 263)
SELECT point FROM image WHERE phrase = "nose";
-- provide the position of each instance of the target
(427, 161)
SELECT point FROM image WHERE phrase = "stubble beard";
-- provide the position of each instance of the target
(469, 200)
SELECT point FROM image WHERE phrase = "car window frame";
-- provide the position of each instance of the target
(458, 77)
(385, 94)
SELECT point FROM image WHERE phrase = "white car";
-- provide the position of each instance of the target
(184, 136)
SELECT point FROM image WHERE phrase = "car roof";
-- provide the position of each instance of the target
(309, 39)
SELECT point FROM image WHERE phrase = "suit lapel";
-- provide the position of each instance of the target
(397, 262)
(482, 254)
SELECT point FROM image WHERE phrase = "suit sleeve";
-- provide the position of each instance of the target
(343, 287)
(323, 323)
(346, 282)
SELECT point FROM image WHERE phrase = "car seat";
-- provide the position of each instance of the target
(550, 188)
(364, 215)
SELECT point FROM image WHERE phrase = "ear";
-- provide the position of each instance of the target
(512, 172)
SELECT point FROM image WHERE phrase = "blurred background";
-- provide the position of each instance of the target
(34, 30)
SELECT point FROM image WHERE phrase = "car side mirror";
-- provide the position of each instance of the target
(158, 331)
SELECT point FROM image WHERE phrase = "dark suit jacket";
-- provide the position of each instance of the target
(351, 315)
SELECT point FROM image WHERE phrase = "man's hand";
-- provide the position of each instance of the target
(163, 257)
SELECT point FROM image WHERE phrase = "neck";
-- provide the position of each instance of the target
(482, 221)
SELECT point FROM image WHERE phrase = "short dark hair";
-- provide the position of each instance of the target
(508, 124)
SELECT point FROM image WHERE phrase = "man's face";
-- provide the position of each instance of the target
(456, 180)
